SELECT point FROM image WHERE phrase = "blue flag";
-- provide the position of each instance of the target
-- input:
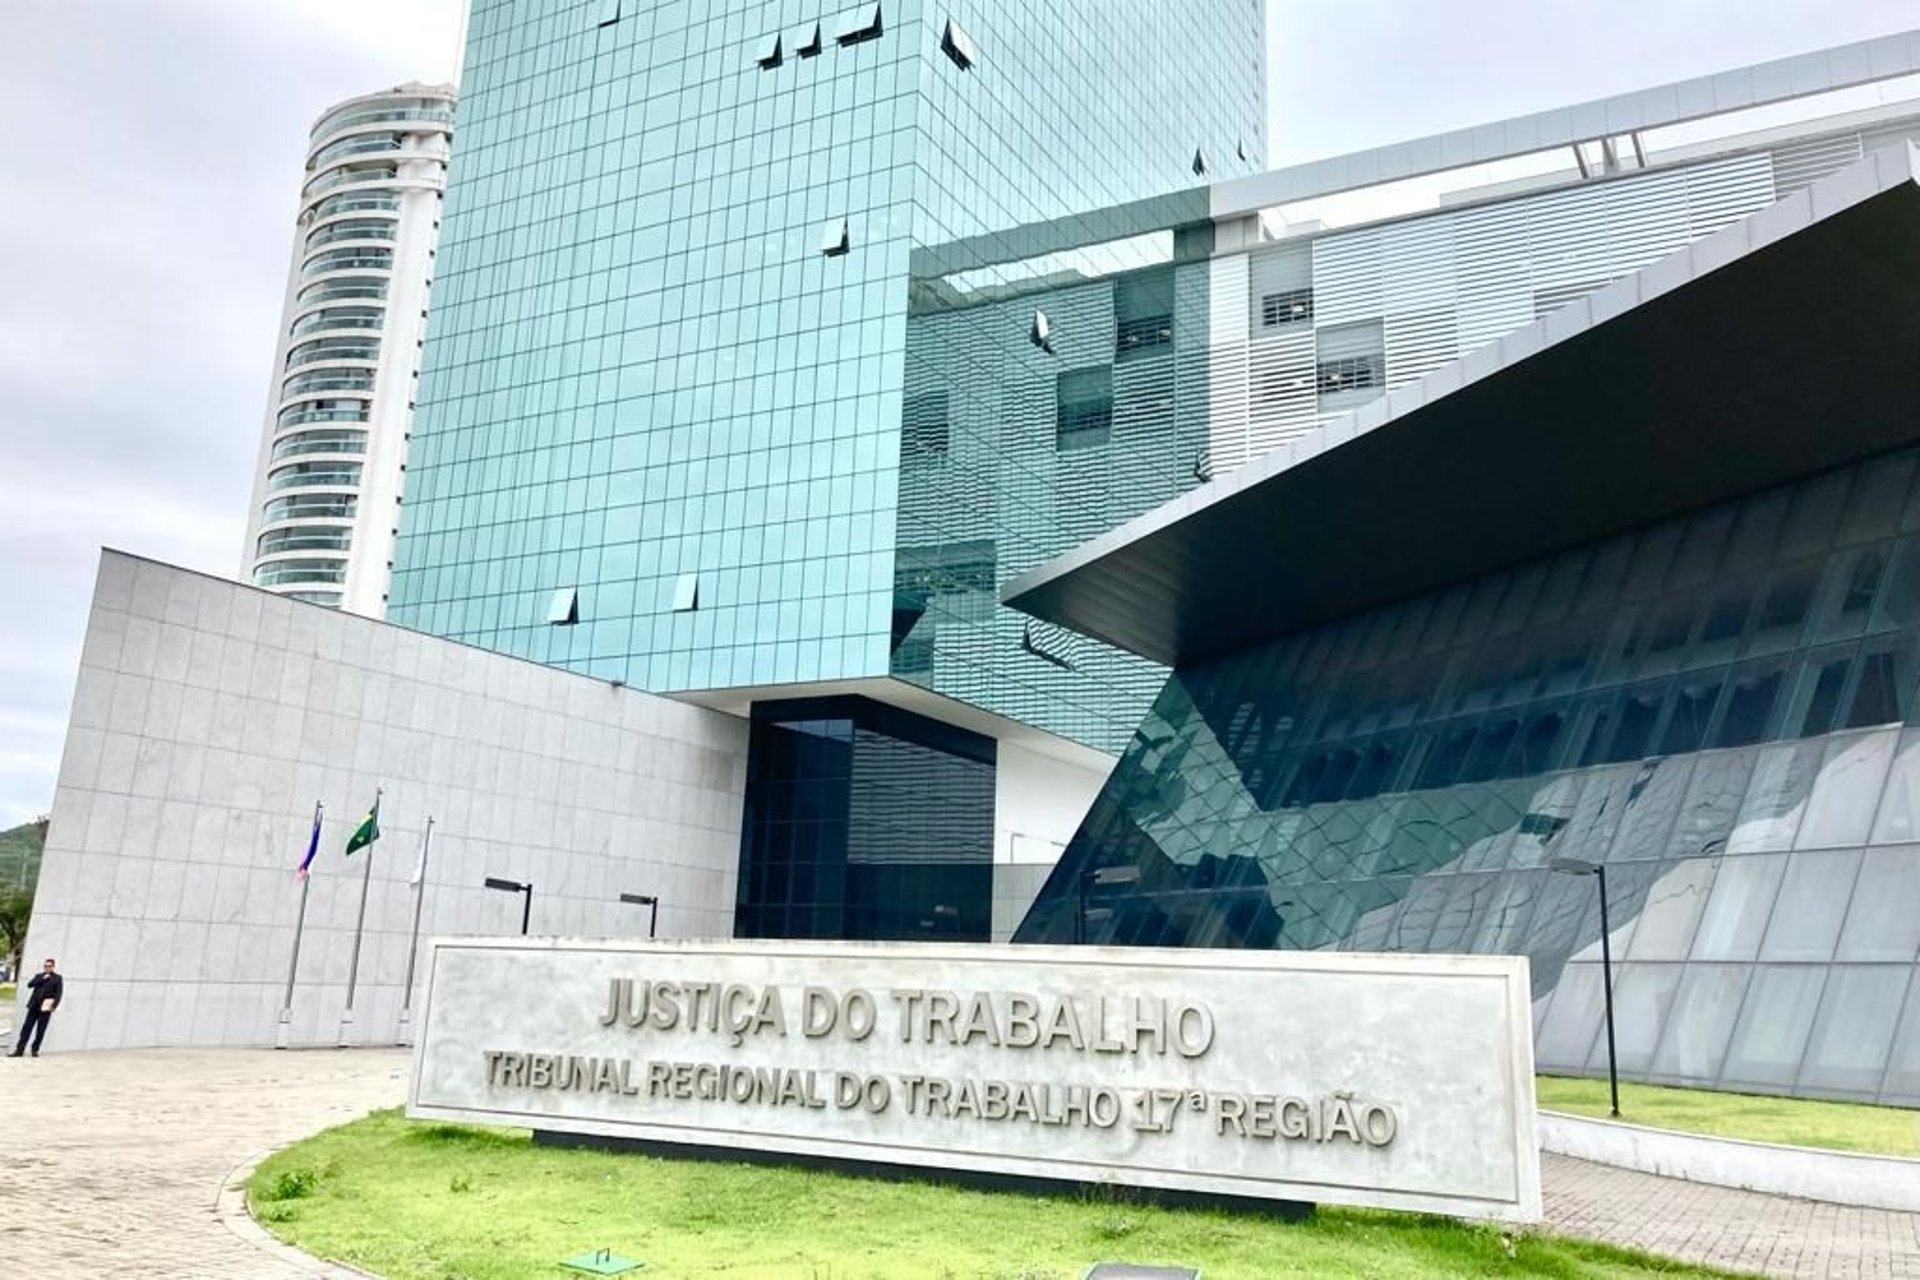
(313, 846)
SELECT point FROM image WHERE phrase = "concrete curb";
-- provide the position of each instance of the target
(230, 1206)
(1838, 1177)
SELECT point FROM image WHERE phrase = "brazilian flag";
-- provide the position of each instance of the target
(367, 832)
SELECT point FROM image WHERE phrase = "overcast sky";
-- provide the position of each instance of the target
(150, 158)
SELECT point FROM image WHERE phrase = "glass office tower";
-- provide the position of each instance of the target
(699, 266)
(660, 425)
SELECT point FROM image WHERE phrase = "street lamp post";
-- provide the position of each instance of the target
(1581, 867)
(651, 903)
(1096, 877)
(514, 886)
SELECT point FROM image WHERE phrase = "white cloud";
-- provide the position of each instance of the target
(424, 35)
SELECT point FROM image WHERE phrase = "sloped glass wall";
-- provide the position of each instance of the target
(1715, 707)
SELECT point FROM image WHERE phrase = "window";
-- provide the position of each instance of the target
(957, 45)
(1144, 332)
(351, 258)
(609, 12)
(310, 538)
(767, 55)
(1348, 373)
(304, 442)
(1289, 306)
(317, 506)
(862, 24)
(923, 424)
(1883, 684)
(300, 571)
(835, 238)
(1083, 416)
(810, 43)
(1350, 358)
(1143, 312)
(563, 610)
(686, 593)
(314, 475)
(1199, 164)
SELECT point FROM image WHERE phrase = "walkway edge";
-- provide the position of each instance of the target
(231, 1208)
(1838, 1177)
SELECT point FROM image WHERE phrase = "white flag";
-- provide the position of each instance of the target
(420, 867)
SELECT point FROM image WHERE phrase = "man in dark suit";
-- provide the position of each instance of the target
(44, 990)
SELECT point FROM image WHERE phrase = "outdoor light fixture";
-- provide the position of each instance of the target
(651, 903)
(514, 886)
(1581, 867)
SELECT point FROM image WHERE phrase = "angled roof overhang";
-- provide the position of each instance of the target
(1785, 344)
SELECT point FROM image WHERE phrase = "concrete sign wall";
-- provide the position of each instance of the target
(1400, 1081)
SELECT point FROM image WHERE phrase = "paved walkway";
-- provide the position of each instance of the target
(113, 1162)
(1738, 1230)
(130, 1151)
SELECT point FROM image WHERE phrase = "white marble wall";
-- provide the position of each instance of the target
(208, 719)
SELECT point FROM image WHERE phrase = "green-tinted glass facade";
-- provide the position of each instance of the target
(671, 358)
(1723, 709)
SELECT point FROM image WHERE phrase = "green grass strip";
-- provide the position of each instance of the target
(410, 1199)
(1802, 1122)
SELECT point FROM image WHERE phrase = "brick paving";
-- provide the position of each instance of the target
(114, 1164)
(1737, 1230)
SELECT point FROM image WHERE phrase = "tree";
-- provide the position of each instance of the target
(16, 909)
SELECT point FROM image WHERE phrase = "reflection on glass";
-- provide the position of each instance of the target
(1813, 899)
(1883, 922)
(1401, 778)
(1903, 1061)
(1573, 1021)
(1848, 1051)
(1776, 798)
(1899, 818)
(1720, 782)
(1774, 1023)
(1695, 1044)
(1840, 811)
(1672, 910)
(1641, 996)
(1736, 915)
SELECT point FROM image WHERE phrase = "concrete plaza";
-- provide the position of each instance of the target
(117, 1164)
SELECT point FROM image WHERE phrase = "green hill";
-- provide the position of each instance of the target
(20, 854)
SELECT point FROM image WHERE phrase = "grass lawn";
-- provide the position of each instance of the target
(1804, 1122)
(413, 1199)
(6, 993)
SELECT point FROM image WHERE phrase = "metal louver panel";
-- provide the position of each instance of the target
(1420, 299)
(1799, 165)
(1721, 194)
(1347, 277)
(1437, 287)
(1280, 381)
(1219, 365)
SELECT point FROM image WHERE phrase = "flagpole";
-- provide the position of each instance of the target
(359, 926)
(283, 1034)
(413, 942)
